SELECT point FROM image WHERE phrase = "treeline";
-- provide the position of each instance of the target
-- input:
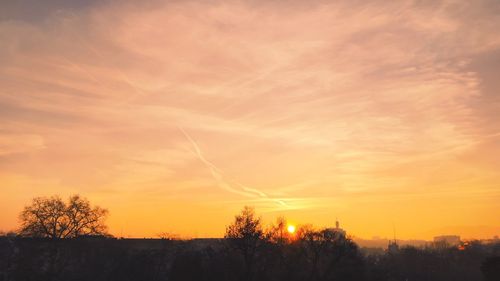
(247, 252)
(321, 258)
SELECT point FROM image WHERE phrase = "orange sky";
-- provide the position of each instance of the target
(174, 115)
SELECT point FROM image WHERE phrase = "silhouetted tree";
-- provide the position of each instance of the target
(278, 233)
(330, 255)
(245, 234)
(54, 218)
(310, 254)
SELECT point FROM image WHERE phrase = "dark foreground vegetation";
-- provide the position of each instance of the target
(246, 253)
(161, 259)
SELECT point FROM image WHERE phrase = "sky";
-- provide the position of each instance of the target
(174, 115)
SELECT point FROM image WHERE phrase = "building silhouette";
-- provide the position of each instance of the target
(337, 229)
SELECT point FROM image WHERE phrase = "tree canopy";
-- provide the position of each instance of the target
(53, 218)
(246, 225)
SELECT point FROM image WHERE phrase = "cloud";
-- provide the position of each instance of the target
(308, 104)
(20, 143)
(235, 187)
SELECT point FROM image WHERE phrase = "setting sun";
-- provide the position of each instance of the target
(291, 229)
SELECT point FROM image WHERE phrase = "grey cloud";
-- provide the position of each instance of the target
(34, 11)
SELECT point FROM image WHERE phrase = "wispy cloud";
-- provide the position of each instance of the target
(233, 187)
(317, 105)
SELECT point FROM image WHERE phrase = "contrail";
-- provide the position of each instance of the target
(218, 176)
(216, 173)
(262, 194)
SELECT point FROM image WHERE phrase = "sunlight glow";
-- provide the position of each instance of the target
(321, 109)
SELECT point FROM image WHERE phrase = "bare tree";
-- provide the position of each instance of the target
(278, 233)
(245, 234)
(54, 218)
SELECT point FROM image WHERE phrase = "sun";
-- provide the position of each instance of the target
(291, 229)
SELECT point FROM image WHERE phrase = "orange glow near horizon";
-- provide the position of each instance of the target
(175, 115)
